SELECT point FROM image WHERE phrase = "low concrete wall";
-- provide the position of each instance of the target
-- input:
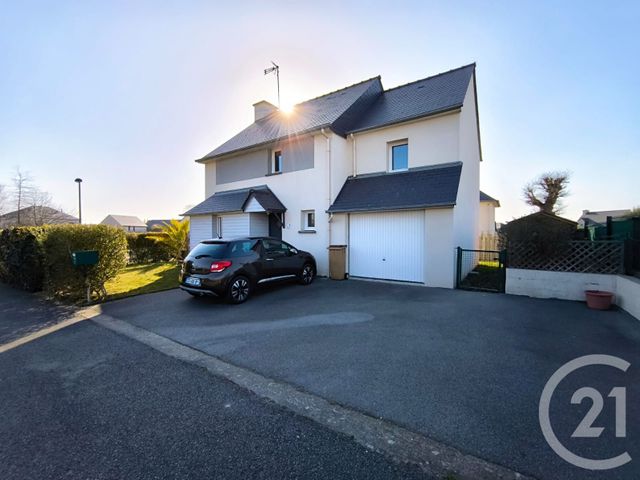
(571, 286)
(628, 294)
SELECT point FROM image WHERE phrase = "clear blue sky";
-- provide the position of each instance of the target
(127, 94)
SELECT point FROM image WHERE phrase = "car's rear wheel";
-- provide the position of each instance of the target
(307, 274)
(239, 290)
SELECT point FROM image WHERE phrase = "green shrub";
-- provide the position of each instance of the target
(22, 257)
(62, 279)
(148, 247)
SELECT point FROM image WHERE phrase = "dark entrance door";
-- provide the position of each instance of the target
(275, 225)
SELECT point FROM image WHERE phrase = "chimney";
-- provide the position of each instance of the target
(263, 108)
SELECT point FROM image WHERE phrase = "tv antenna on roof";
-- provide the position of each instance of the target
(276, 69)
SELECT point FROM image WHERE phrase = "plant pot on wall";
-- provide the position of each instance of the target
(598, 299)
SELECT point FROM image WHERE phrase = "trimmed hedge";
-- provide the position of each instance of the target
(22, 257)
(36, 258)
(65, 280)
(145, 248)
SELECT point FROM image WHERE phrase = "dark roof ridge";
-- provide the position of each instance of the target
(414, 169)
(244, 189)
(429, 78)
(340, 89)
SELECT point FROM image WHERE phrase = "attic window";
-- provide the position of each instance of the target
(276, 162)
(399, 155)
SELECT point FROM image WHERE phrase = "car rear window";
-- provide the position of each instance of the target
(210, 249)
(221, 250)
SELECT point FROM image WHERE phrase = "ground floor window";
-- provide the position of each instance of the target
(308, 220)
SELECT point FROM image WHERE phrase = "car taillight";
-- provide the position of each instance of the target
(217, 267)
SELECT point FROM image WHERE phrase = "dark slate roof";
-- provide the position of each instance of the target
(434, 186)
(324, 111)
(440, 93)
(235, 200)
(487, 198)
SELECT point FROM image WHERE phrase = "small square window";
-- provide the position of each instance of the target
(308, 220)
(276, 162)
(399, 156)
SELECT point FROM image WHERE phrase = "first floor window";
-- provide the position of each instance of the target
(399, 156)
(276, 164)
(308, 220)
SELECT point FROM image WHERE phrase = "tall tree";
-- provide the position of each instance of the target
(22, 186)
(547, 190)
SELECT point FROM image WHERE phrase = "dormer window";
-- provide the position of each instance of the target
(399, 156)
(276, 162)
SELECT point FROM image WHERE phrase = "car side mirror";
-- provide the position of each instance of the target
(293, 251)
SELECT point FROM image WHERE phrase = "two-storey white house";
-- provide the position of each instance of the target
(392, 174)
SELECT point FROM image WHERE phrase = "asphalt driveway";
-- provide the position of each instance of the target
(464, 368)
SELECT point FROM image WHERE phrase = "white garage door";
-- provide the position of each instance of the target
(387, 246)
(200, 228)
(235, 225)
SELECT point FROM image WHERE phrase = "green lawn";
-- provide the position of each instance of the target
(147, 278)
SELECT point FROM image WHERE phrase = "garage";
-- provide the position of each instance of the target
(387, 245)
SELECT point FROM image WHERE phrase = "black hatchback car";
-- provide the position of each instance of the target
(233, 268)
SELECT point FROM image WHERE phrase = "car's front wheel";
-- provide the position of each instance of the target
(239, 290)
(307, 274)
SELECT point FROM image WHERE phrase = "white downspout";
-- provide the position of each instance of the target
(354, 166)
(328, 138)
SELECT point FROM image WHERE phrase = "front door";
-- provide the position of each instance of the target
(275, 226)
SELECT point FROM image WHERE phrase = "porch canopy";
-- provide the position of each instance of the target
(252, 199)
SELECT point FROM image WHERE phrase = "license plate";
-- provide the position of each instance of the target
(195, 282)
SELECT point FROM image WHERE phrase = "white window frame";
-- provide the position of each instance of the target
(273, 161)
(390, 146)
(304, 221)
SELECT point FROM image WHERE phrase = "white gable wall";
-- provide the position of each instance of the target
(466, 212)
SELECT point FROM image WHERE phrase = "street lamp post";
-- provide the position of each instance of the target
(79, 182)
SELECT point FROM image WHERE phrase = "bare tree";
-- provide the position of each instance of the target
(3, 198)
(547, 190)
(41, 209)
(22, 186)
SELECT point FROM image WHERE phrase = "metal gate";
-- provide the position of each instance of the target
(483, 270)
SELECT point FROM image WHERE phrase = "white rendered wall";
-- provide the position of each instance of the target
(439, 248)
(299, 190)
(466, 212)
(431, 141)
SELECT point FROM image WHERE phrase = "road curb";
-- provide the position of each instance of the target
(402, 445)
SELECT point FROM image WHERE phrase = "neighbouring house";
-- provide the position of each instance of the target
(128, 223)
(392, 174)
(35, 216)
(154, 225)
(599, 218)
(487, 214)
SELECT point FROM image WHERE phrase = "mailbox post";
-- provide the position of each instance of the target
(84, 260)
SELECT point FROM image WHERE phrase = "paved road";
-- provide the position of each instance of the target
(85, 402)
(22, 313)
(464, 368)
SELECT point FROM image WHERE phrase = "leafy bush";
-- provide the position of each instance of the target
(22, 257)
(147, 248)
(62, 278)
(176, 237)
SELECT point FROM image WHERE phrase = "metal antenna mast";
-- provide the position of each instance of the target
(276, 69)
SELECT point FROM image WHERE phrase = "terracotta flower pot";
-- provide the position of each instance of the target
(599, 300)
